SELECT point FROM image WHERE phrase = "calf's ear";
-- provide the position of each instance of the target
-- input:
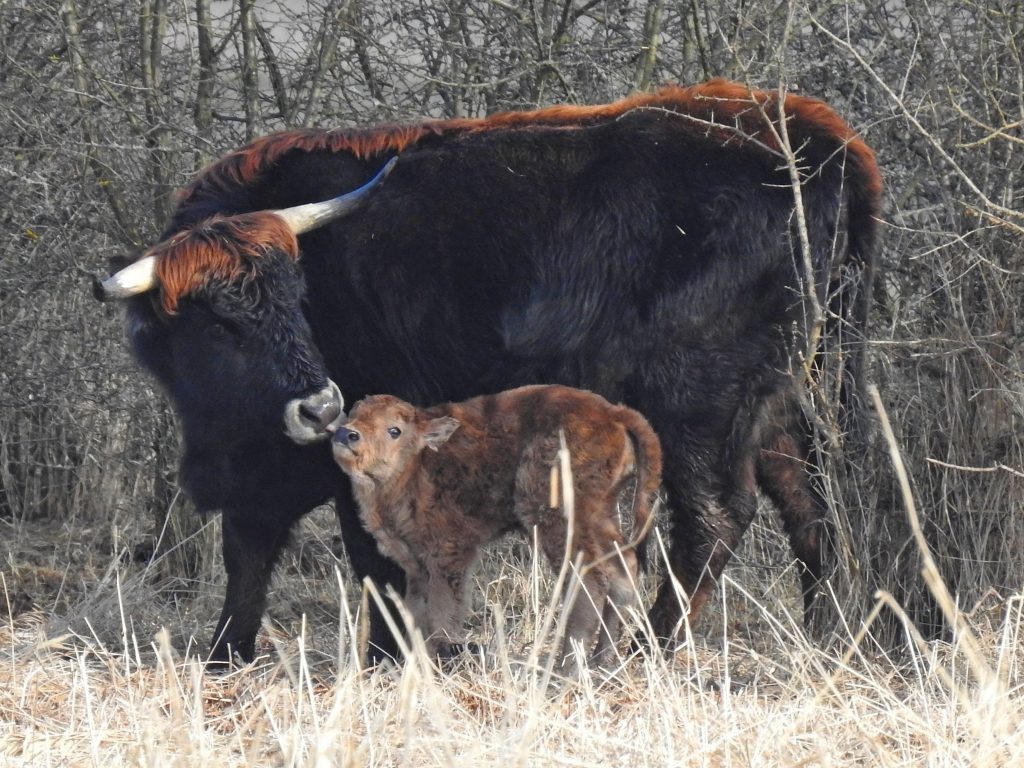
(437, 431)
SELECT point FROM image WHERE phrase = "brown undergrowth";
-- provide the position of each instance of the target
(89, 677)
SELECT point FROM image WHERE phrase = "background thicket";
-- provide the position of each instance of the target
(107, 107)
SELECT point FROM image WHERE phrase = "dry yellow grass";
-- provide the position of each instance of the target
(92, 680)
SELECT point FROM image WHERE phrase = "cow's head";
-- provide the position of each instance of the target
(215, 312)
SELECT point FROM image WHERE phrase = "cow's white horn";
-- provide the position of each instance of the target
(134, 279)
(303, 218)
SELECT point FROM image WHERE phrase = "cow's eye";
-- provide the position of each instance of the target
(394, 432)
(224, 332)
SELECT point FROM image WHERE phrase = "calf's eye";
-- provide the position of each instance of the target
(394, 432)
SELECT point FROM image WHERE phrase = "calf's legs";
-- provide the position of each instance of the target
(446, 605)
(621, 595)
(604, 587)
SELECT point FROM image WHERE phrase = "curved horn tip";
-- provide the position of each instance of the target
(303, 218)
(388, 166)
(136, 278)
(98, 291)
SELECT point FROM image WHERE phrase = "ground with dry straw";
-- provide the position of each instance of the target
(89, 677)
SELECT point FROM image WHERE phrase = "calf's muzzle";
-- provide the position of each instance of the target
(345, 436)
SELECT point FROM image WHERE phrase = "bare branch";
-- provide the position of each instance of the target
(69, 14)
(250, 92)
(927, 135)
(285, 106)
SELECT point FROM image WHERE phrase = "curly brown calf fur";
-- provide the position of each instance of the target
(488, 471)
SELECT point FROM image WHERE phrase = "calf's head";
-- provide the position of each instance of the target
(383, 434)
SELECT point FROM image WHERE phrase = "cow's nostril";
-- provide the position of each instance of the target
(320, 411)
(331, 412)
(308, 411)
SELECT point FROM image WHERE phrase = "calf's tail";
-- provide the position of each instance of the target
(647, 449)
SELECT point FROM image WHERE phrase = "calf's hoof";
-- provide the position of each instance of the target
(451, 655)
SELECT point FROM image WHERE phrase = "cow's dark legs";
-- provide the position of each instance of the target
(251, 547)
(784, 473)
(707, 526)
(367, 561)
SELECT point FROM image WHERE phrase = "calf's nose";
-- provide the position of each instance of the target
(346, 436)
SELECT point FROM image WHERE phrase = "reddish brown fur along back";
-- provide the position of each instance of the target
(737, 108)
(221, 247)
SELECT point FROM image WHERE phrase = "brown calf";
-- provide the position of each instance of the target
(489, 472)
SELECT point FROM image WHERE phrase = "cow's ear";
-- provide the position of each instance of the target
(437, 431)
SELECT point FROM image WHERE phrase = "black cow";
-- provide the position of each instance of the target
(648, 250)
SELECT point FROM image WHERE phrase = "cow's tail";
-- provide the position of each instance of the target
(850, 291)
(647, 449)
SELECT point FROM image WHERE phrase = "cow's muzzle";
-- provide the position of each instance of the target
(307, 419)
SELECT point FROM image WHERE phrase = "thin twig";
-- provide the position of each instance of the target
(924, 132)
(996, 467)
(929, 570)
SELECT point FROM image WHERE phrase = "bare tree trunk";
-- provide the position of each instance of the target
(649, 52)
(203, 110)
(356, 21)
(110, 189)
(250, 92)
(698, 40)
(285, 106)
(152, 26)
(321, 59)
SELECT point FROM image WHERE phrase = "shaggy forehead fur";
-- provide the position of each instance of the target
(218, 248)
